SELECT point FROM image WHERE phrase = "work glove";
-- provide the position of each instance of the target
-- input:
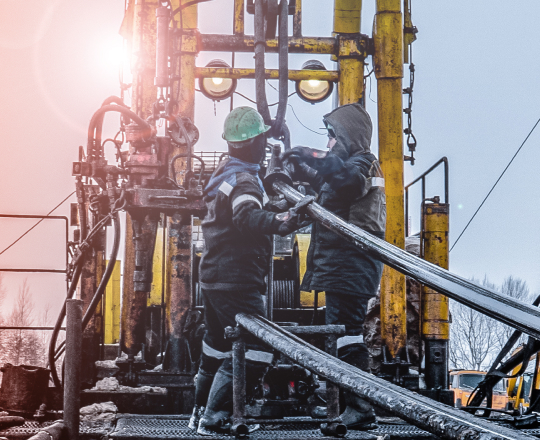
(299, 162)
(295, 218)
(288, 223)
(323, 162)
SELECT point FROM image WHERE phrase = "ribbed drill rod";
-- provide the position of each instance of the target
(72, 382)
(505, 309)
(441, 420)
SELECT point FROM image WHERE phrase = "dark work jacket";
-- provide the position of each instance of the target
(237, 236)
(351, 185)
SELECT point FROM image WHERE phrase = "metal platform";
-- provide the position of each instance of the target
(154, 427)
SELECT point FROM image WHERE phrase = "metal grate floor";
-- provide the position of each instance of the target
(149, 429)
(140, 427)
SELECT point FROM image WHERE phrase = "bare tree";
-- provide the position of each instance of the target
(518, 289)
(472, 339)
(23, 345)
(2, 295)
(45, 319)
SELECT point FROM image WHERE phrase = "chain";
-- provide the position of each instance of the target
(411, 139)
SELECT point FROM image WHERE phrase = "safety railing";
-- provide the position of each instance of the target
(422, 179)
(41, 217)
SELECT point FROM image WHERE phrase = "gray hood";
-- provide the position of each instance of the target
(353, 129)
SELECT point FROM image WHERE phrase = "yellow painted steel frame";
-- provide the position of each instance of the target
(294, 75)
(435, 312)
(307, 299)
(112, 307)
(388, 41)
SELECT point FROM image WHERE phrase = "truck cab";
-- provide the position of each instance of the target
(463, 382)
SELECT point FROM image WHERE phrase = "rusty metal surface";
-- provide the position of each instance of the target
(512, 312)
(441, 420)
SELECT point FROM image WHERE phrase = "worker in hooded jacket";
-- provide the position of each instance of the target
(349, 183)
(237, 234)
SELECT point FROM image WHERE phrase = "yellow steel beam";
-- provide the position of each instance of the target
(294, 75)
(239, 17)
(112, 310)
(347, 16)
(179, 249)
(435, 313)
(388, 41)
(349, 56)
(241, 43)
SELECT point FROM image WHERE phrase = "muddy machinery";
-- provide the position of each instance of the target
(158, 178)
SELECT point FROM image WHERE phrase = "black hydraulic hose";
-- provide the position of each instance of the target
(260, 80)
(283, 42)
(510, 311)
(60, 319)
(99, 124)
(107, 274)
(98, 116)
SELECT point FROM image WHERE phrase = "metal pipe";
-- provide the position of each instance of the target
(505, 309)
(347, 15)
(435, 307)
(29, 328)
(241, 43)
(72, 388)
(60, 319)
(239, 387)
(445, 422)
(388, 61)
(422, 178)
(297, 19)
(162, 46)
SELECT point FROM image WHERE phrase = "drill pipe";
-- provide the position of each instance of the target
(509, 311)
(441, 420)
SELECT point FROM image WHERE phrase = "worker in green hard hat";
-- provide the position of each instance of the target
(237, 231)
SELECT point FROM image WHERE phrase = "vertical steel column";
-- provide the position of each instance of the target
(239, 385)
(347, 15)
(238, 17)
(142, 39)
(179, 254)
(72, 381)
(388, 39)
(435, 313)
(90, 278)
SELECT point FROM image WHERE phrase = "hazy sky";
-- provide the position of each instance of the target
(476, 98)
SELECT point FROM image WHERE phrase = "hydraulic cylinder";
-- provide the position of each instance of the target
(435, 312)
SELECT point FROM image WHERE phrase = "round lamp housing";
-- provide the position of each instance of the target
(217, 88)
(314, 90)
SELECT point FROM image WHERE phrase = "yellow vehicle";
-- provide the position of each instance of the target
(463, 382)
(520, 388)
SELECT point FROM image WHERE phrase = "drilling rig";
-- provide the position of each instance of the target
(158, 180)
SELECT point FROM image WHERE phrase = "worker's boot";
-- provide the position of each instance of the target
(217, 415)
(202, 390)
(358, 414)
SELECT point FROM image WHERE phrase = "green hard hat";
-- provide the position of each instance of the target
(243, 123)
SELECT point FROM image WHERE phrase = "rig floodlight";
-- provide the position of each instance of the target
(217, 88)
(314, 90)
